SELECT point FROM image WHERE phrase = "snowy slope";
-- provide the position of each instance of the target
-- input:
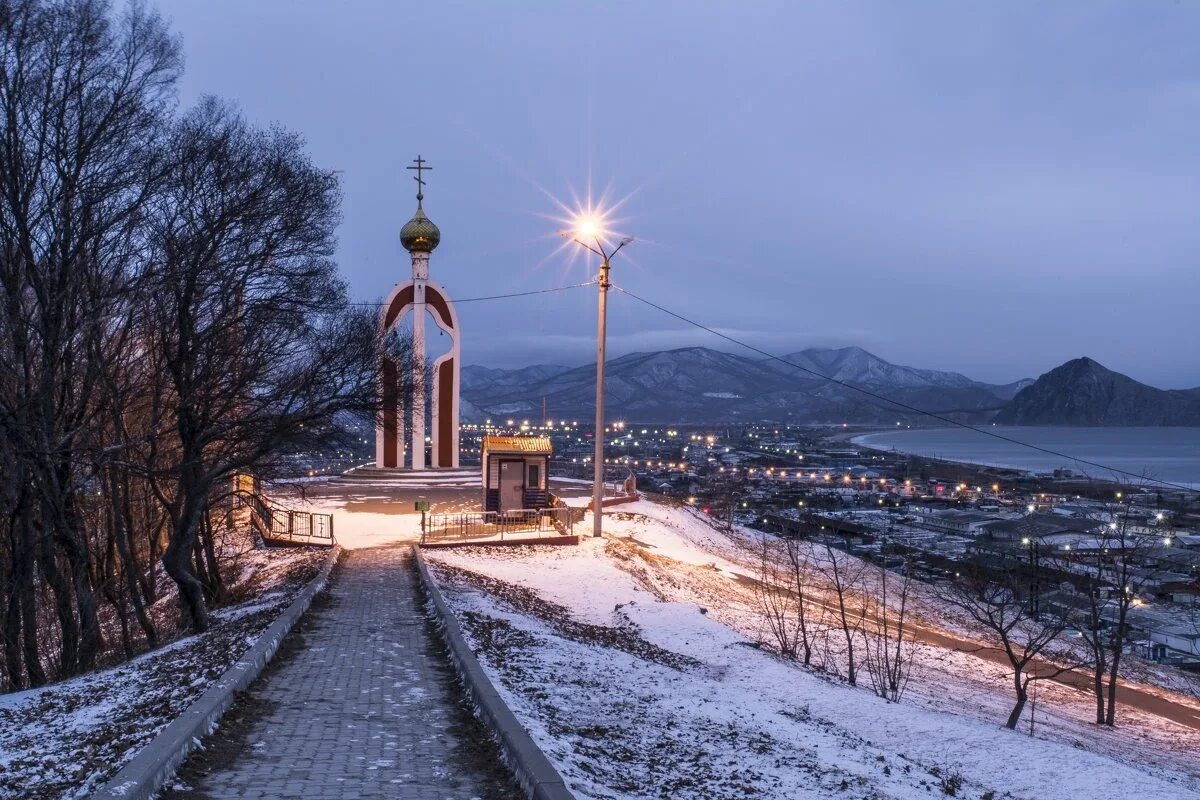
(61, 741)
(633, 662)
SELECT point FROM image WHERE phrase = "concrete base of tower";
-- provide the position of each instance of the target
(416, 478)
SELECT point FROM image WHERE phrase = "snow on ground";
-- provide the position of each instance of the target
(634, 662)
(63, 740)
(376, 511)
(373, 529)
(354, 526)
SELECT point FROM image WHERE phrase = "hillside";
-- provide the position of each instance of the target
(674, 690)
(698, 384)
(1083, 392)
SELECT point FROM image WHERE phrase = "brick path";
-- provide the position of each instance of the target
(364, 706)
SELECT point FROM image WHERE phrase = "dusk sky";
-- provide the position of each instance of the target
(987, 188)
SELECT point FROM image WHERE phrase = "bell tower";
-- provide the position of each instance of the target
(422, 297)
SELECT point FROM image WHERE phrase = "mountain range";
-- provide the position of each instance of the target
(697, 384)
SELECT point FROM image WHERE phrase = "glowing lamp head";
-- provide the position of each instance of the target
(588, 227)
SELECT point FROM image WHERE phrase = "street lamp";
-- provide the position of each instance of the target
(1034, 589)
(588, 232)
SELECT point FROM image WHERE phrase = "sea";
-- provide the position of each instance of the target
(1165, 454)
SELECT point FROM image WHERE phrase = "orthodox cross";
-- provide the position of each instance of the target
(420, 167)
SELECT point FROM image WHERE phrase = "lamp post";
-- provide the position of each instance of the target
(587, 233)
(1035, 588)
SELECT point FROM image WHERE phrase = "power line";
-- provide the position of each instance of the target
(897, 403)
(499, 296)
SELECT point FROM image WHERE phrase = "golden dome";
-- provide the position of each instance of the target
(419, 234)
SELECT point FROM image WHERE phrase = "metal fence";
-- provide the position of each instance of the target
(529, 523)
(282, 525)
(619, 481)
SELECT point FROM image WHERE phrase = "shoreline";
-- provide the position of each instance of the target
(861, 439)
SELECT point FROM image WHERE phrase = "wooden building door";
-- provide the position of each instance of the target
(512, 485)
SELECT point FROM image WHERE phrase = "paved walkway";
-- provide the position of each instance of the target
(361, 704)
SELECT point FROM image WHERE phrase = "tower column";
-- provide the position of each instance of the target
(420, 269)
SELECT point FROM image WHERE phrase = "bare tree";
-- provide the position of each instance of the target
(887, 654)
(249, 320)
(82, 96)
(169, 316)
(843, 575)
(1093, 627)
(777, 596)
(992, 597)
(1120, 563)
(799, 558)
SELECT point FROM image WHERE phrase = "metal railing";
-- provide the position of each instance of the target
(528, 523)
(619, 481)
(282, 525)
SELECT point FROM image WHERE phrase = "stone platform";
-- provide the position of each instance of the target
(462, 477)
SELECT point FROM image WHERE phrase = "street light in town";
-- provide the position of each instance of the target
(1034, 565)
(588, 232)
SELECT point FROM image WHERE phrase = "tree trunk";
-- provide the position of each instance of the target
(1014, 716)
(1098, 689)
(33, 661)
(177, 561)
(69, 532)
(1114, 671)
(12, 632)
(48, 562)
(200, 566)
(155, 539)
(216, 586)
(130, 569)
(90, 640)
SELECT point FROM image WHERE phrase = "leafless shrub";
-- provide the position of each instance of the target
(888, 648)
(842, 574)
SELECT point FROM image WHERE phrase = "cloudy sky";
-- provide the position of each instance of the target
(988, 188)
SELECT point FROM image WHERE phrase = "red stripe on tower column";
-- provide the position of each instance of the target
(445, 408)
(391, 412)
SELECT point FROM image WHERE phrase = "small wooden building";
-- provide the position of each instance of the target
(515, 472)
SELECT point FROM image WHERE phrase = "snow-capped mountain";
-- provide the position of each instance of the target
(700, 384)
(857, 366)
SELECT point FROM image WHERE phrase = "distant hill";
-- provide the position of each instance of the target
(474, 377)
(857, 366)
(1083, 392)
(696, 384)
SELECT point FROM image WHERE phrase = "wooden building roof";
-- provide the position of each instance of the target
(518, 444)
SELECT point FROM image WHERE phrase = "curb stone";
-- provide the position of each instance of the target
(533, 770)
(157, 761)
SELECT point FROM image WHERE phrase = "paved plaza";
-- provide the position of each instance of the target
(361, 703)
